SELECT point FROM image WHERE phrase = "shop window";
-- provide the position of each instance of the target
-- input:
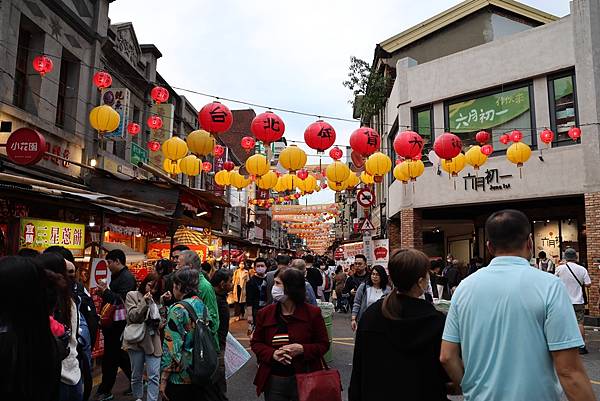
(26, 81)
(21, 69)
(422, 123)
(498, 112)
(563, 106)
(554, 236)
(66, 102)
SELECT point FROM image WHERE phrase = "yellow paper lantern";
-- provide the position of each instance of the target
(280, 186)
(267, 181)
(412, 168)
(200, 142)
(104, 119)
(238, 180)
(306, 185)
(378, 164)
(190, 165)
(292, 158)
(174, 148)
(337, 172)
(401, 172)
(366, 178)
(454, 166)
(257, 165)
(518, 153)
(222, 178)
(171, 166)
(352, 181)
(289, 181)
(474, 157)
(337, 186)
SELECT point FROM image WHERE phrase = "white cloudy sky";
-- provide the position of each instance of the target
(288, 54)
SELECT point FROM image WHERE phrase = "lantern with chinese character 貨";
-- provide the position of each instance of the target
(42, 64)
(133, 128)
(504, 139)
(518, 153)
(171, 166)
(447, 146)
(267, 181)
(200, 142)
(190, 165)
(337, 172)
(155, 122)
(102, 80)
(574, 133)
(248, 143)
(218, 151)
(292, 158)
(455, 165)
(215, 118)
(366, 178)
(487, 149)
(228, 165)
(378, 165)
(516, 136)
(319, 136)
(104, 119)
(408, 144)
(483, 137)
(365, 141)
(174, 148)
(257, 165)
(352, 181)
(238, 181)
(159, 94)
(154, 146)
(475, 157)
(337, 186)
(267, 127)
(206, 166)
(222, 178)
(547, 136)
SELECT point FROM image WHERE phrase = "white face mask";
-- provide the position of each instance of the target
(278, 295)
(261, 270)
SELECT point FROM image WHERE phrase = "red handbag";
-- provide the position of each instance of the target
(320, 385)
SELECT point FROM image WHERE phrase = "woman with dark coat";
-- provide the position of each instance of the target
(397, 348)
(290, 337)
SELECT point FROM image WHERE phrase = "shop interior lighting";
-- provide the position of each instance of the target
(202, 214)
(93, 162)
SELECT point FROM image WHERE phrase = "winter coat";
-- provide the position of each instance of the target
(137, 310)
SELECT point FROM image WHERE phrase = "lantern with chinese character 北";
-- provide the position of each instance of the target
(171, 166)
(319, 136)
(174, 148)
(408, 144)
(159, 94)
(42, 64)
(206, 167)
(504, 139)
(475, 157)
(239, 181)
(487, 149)
(267, 127)
(190, 165)
(455, 165)
(257, 165)
(352, 181)
(366, 178)
(518, 153)
(365, 141)
(516, 136)
(222, 178)
(378, 164)
(335, 153)
(248, 143)
(292, 158)
(302, 174)
(574, 133)
(215, 118)
(200, 142)
(337, 172)
(267, 181)
(154, 146)
(447, 146)
(228, 165)
(155, 122)
(102, 80)
(104, 119)
(133, 128)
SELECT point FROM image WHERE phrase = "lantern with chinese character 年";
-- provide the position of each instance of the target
(267, 181)
(257, 165)
(239, 181)
(455, 165)
(133, 128)
(366, 178)
(155, 122)
(248, 143)
(475, 157)
(365, 141)
(447, 146)
(159, 94)
(222, 178)
(547, 136)
(483, 137)
(378, 164)
(337, 172)
(104, 119)
(206, 167)
(154, 146)
(574, 133)
(401, 172)
(408, 144)
(43, 64)
(518, 153)
(171, 166)
(215, 118)
(190, 165)
(352, 181)
(487, 149)
(292, 158)
(267, 127)
(337, 186)
(319, 136)
(505, 139)
(174, 148)
(516, 136)
(200, 142)
(228, 165)
(102, 80)
(218, 150)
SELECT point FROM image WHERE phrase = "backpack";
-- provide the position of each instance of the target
(204, 356)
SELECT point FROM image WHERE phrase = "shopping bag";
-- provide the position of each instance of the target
(235, 357)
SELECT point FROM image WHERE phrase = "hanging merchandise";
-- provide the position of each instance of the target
(319, 136)
(257, 165)
(159, 94)
(171, 166)
(547, 136)
(133, 129)
(42, 64)
(337, 172)
(267, 127)
(104, 119)
(574, 133)
(155, 122)
(206, 167)
(408, 144)
(228, 165)
(154, 146)
(516, 136)
(218, 151)
(483, 137)
(200, 142)
(267, 181)
(366, 178)
(335, 153)
(475, 157)
(487, 149)
(455, 165)
(190, 165)
(447, 146)
(401, 173)
(215, 118)
(222, 178)
(292, 158)
(505, 139)
(518, 153)
(337, 186)
(174, 148)
(352, 181)
(239, 181)
(102, 80)
(248, 143)
(365, 141)
(378, 164)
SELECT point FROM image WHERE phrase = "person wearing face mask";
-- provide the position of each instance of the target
(256, 291)
(398, 339)
(325, 289)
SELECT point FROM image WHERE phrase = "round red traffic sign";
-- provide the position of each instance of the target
(101, 271)
(365, 197)
(25, 146)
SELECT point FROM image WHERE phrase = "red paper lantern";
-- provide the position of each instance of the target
(408, 144)
(319, 136)
(483, 137)
(505, 139)
(323, 185)
(228, 165)
(219, 150)
(487, 150)
(447, 146)
(286, 198)
(267, 127)
(133, 128)
(516, 136)
(207, 166)
(335, 153)
(365, 141)
(574, 133)
(42, 64)
(248, 143)
(297, 196)
(159, 94)
(102, 79)
(155, 122)
(154, 146)
(215, 118)
(357, 159)
(302, 174)
(547, 136)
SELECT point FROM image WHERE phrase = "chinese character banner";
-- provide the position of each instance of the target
(40, 234)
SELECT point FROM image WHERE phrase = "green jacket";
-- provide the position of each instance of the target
(208, 297)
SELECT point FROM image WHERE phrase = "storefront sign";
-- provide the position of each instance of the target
(166, 112)
(138, 154)
(353, 249)
(40, 234)
(368, 246)
(25, 147)
(381, 252)
(162, 251)
(491, 180)
(118, 99)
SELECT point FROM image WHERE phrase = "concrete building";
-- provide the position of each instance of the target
(497, 66)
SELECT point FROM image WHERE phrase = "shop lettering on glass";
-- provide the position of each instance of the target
(217, 114)
(476, 116)
(492, 180)
(517, 98)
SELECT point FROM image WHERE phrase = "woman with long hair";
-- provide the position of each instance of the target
(369, 292)
(240, 279)
(398, 341)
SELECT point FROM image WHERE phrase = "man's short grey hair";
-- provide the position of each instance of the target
(191, 259)
(299, 264)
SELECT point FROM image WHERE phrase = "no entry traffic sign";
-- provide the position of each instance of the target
(365, 197)
(99, 272)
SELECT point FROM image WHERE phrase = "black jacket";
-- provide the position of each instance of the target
(87, 309)
(253, 292)
(399, 359)
(121, 283)
(314, 278)
(353, 282)
(223, 308)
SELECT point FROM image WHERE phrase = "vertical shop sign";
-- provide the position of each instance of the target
(118, 99)
(166, 112)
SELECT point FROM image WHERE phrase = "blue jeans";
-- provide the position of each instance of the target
(138, 358)
(69, 392)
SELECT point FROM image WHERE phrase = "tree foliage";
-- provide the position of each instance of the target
(368, 86)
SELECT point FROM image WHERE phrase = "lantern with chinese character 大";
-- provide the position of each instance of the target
(267, 127)
(574, 133)
(487, 149)
(267, 181)
(447, 146)
(337, 172)
(159, 94)
(505, 139)
(102, 80)
(455, 165)
(171, 166)
(155, 122)
(104, 119)
(475, 157)
(215, 118)
(218, 150)
(408, 144)
(222, 178)
(518, 153)
(228, 165)
(483, 137)
(547, 136)
(133, 128)
(248, 143)
(365, 141)
(319, 136)
(516, 136)
(335, 153)
(257, 165)
(154, 146)
(190, 165)
(43, 64)
(206, 167)
(174, 148)
(366, 178)
(200, 142)
(292, 158)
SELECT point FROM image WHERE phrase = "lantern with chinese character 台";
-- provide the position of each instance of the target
(401, 172)
(337, 172)
(190, 165)
(218, 151)
(248, 143)
(574, 133)
(200, 142)
(352, 181)
(267, 181)
(475, 157)
(516, 136)
(319, 136)
(518, 153)
(547, 136)
(292, 158)
(133, 128)
(257, 165)
(335, 153)
(104, 119)
(365, 141)
(154, 146)
(222, 178)
(174, 148)
(483, 137)
(487, 149)
(455, 165)
(171, 166)
(505, 139)
(447, 146)
(366, 178)
(267, 127)
(408, 144)
(337, 186)
(228, 165)
(239, 181)
(42, 64)
(378, 164)
(102, 80)
(215, 118)
(206, 167)
(155, 122)
(159, 94)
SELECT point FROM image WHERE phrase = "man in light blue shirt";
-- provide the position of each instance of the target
(514, 326)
